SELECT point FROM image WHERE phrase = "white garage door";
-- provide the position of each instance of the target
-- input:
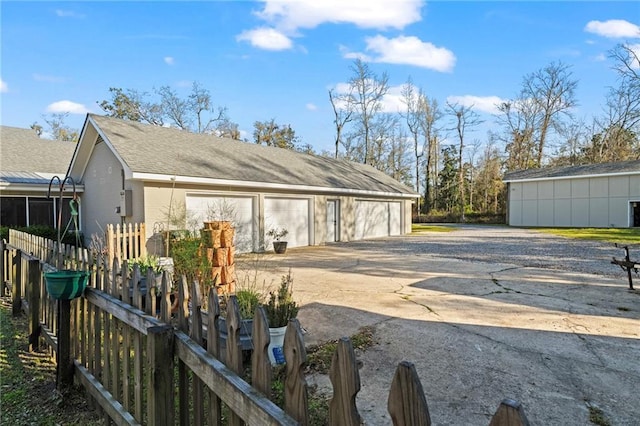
(289, 213)
(377, 219)
(238, 210)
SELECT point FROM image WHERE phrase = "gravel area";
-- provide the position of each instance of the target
(500, 244)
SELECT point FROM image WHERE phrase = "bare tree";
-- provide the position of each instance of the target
(412, 118)
(342, 104)
(57, 129)
(518, 117)
(552, 91)
(464, 118)
(429, 113)
(368, 90)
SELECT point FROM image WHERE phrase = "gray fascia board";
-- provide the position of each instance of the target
(150, 177)
(571, 177)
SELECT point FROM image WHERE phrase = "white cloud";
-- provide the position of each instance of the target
(290, 15)
(600, 57)
(488, 104)
(69, 14)
(47, 78)
(635, 48)
(392, 100)
(311, 107)
(169, 60)
(266, 38)
(407, 50)
(67, 106)
(613, 28)
(184, 83)
(4, 88)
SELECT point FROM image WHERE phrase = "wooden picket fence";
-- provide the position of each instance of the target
(125, 242)
(128, 351)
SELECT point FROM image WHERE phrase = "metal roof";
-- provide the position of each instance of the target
(567, 172)
(149, 150)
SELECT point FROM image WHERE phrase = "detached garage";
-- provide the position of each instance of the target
(134, 172)
(595, 195)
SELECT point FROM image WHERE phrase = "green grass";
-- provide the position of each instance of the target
(319, 357)
(611, 235)
(420, 227)
(28, 394)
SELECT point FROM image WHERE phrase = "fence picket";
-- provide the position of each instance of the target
(196, 336)
(345, 379)
(261, 374)
(407, 404)
(296, 401)
(213, 348)
(509, 413)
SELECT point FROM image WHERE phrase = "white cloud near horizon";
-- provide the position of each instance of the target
(613, 28)
(169, 60)
(406, 50)
(488, 104)
(311, 107)
(266, 38)
(66, 106)
(4, 88)
(47, 78)
(69, 14)
(291, 15)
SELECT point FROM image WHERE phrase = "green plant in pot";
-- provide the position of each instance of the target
(277, 234)
(146, 263)
(248, 300)
(280, 308)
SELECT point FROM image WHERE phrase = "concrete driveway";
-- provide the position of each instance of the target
(484, 313)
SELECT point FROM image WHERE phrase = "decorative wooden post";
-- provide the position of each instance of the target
(34, 304)
(16, 282)
(296, 401)
(161, 389)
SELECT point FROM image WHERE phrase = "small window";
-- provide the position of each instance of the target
(41, 212)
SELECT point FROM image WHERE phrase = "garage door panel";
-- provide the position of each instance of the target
(238, 210)
(372, 219)
(289, 213)
(395, 219)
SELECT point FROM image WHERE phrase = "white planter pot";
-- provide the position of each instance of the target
(276, 353)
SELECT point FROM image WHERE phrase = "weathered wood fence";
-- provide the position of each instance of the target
(142, 365)
(125, 242)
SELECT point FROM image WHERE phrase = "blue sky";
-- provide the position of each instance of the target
(277, 59)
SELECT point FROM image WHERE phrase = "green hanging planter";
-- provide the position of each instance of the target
(66, 284)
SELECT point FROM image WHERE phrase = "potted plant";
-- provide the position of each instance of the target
(279, 246)
(145, 263)
(248, 300)
(279, 309)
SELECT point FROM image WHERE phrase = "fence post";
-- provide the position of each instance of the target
(63, 354)
(34, 304)
(160, 349)
(509, 413)
(345, 380)
(407, 404)
(213, 347)
(16, 283)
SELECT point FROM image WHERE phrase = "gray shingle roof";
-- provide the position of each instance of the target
(630, 167)
(159, 150)
(21, 150)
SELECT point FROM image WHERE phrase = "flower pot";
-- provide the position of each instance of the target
(280, 247)
(66, 284)
(276, 353)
